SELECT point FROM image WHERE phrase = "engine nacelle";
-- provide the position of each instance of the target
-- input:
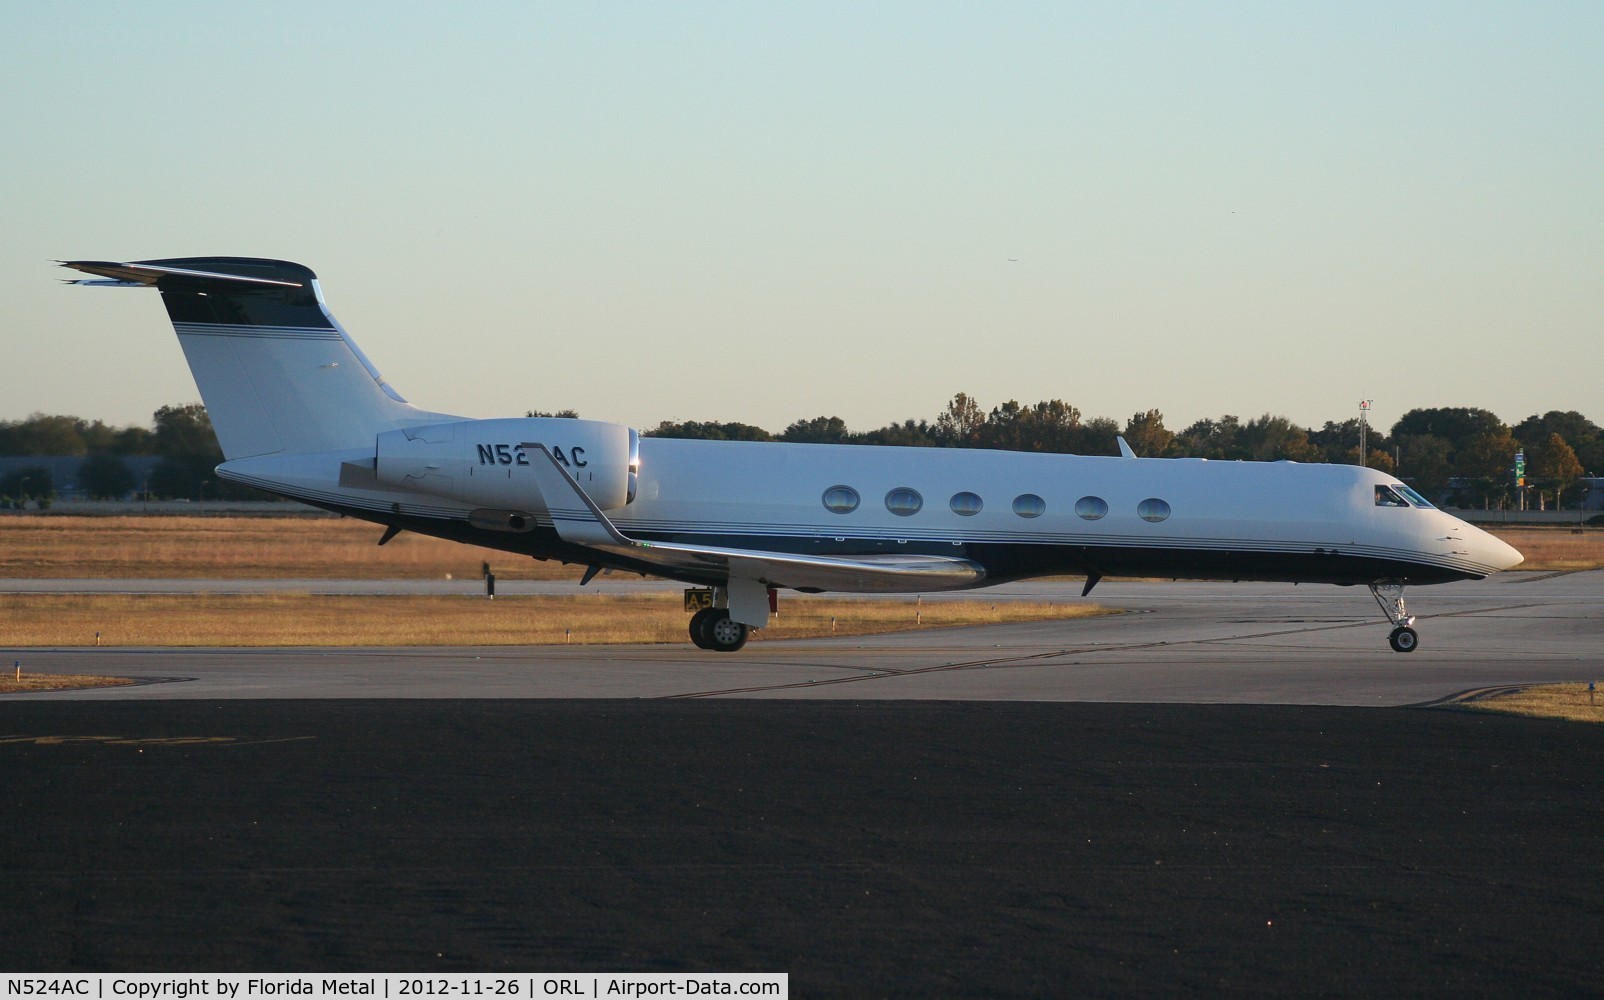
(484, 462)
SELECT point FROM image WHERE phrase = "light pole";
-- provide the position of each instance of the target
(1364, 409)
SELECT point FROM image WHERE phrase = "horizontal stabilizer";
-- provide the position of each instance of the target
(151, 272)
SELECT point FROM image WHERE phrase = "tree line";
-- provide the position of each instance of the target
(182, 441)
(1463, 451)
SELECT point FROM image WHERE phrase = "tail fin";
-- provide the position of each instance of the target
(277, 372)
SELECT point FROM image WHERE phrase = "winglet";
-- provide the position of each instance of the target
(1124, 449)
(575, 516)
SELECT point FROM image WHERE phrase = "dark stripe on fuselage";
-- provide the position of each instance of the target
(1003, 561)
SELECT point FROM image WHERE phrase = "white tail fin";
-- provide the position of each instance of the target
(277, 372)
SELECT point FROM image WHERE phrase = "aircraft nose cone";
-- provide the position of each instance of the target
(1496, 553)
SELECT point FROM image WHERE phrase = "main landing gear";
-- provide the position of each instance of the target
(712, 628)
(1389, 594)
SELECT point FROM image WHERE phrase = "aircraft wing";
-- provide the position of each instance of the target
(579, 521)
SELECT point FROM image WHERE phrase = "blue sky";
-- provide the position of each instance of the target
(765, 212)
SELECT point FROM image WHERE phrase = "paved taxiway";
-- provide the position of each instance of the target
(1176, 642)
(661, 809)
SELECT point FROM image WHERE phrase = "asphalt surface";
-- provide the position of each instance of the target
(881, 848)
(903, 816)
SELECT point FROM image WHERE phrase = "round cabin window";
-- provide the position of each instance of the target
(840, 499)
(1029, 505)
(967, 504)
(1153, 509)
(904, 502)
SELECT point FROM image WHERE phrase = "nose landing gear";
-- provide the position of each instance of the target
(1389, 595)
(1403, 639)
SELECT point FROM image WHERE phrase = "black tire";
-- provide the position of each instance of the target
(1404, 639)
(699, 628)
(725, 635)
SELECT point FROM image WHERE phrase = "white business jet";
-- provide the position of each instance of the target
(300, 412)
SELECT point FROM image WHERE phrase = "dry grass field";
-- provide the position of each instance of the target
(290, 619)
(22, 681)
(242, 548)
(1549, 701)
(1557, 549)
(324, 548)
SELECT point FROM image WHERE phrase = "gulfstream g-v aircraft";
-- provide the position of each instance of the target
(301, 412)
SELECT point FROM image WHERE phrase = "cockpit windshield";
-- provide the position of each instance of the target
(1413, 497)
(1399, 495)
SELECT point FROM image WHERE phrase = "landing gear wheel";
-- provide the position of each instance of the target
(1404, 639)
(699, 628)
(723, 634)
